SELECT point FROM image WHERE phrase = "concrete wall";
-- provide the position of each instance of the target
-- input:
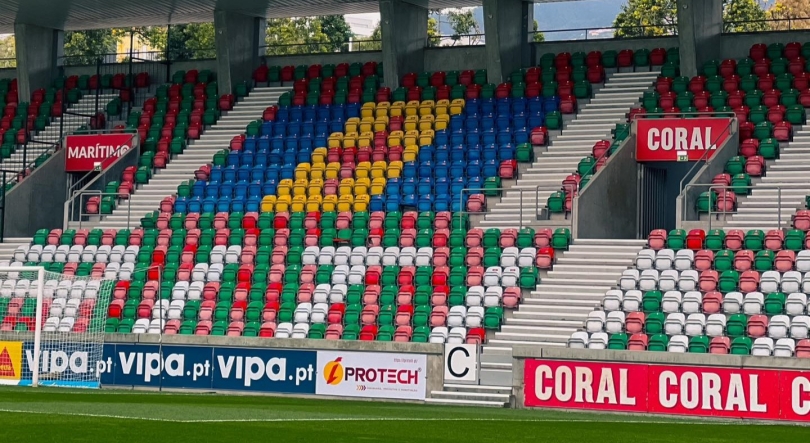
(156, 70)
(737, 45)
(449, 58)
(615, 44)
(237, 42)
(37, 50)
(608, 206)
(506, 25)
(434, 352)
(323, 59)
(700, 25)
(404, 34)
(8, 73)
(38, 201)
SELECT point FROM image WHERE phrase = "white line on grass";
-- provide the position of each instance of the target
(405, 419)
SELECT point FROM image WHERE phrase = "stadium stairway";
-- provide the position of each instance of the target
(789, 172)
(164, 183)
(86, 105)
(594, 122)
(547, 316)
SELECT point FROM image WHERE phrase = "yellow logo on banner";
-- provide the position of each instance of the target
(10, 360)
(333, 372)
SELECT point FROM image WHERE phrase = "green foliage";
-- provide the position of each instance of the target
(737, 12)
(86, 47)
(538, 37)
(8, 52)
(649, 18)
(371, 43)
(465, 26)
(337, 31)
(306, 35)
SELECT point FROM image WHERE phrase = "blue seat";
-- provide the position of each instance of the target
(393, 186)
(263, 143)
(426, 153)
(209, 205)
(296, 113)
(490, 168)
(198, 190)
(225, 190)
(308, 128)
(519, 105)
(229, 174)
(240, 190)
(473, 169)
(270, 187)
(181, 205)
(475, 153)
(290, 156)
(243, 173)
(377, 203)
(408, 186)
(425, 185)
(535, 121)
(506, 152)
(457, 169)
(408, 200)
(255, 189)
(238, 205)
(426, 168)
(521, 136)
(458, 203)
(425, 203)
(194, 205)
(441, 186)
(441, 203)
(490, 152)
(324, 112)
(212, 190)
(489, 137)
(233, 158)
(487, 123)
(457, 185)
(287, 171)
(254, 204)
(442, 155)
(266, 129)
(458, 138)
(441, 137)
(409, 170)
(283, 114)
(392, 203)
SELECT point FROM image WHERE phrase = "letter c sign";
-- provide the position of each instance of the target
(461, 363)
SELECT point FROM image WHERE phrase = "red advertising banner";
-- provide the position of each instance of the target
(664, 389)
(96, 151)
(680, 139)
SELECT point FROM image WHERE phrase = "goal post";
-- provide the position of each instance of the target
(52, 325)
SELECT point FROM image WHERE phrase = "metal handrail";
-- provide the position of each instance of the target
(728, 25)
(101, 194)
(672, 28)
(724, 213)
(82, 181)
(520, 191)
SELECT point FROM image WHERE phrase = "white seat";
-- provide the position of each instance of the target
(799, 327)
(49, 290)
(632, 301)
(510, 277)
(342, 255)
(437, 335)
(161, 309)
(340, 275)
(180, 290)
(612, 301)
(475, 317)
(141, 326)
(629, 279)
(51, 324)
(61, 254)
(217, 255)
(77, 289)
(752, 303)
(510, 256)
(492, 276)
(678, 343)
(7, 289)
(57, 307)
(117, 254)
(103, 254)
(33, 289)
(763, 347)
(34, 254)
(195, 290)
(716, 325)
(695, 324)
(456, 316)
(407, 256)
(668, 280)
(527, 257)
(391, 256)
(645, 259)
(302, 312)
(199, 272)
(338, 293)
(457, 335)
(358, 256)
(475, 296)
(596, 321)
(71, 308)
(21, 288)
(684, 259)
(805, 283)
(784, 347)
(674, 324)
(493, 296)
(614, 323)
(131, 254)
(111, 271)
(791, 282)
(66, 324)
(156, 326)
(47, 253)
(578, 340)
(779, 326)
(357, 274)
(321, 294)
(733, 303)
(796, 303)
(374, 256)
(671, 302)
(648, 281)
(92, 289)
(232, 254)
(325, 257)
(424, 256)
(62, 291)
(284, 330)
(319, 313)
(89, 254)
(770, 281)
(21, 253)
(75, 254)
(214, 273)
(598, 340)
(664, 259)
(176, 310)
(310, 256)
(803, 261)
(687, 280)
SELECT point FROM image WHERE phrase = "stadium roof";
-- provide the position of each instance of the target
(94, 14)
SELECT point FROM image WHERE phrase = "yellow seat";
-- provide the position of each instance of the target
(378, 186)
(302, 171)
(367, 110)
(284, 187)
(457, 106)
(268, 203)
(366, 139)
(283, 203)
(394, 169)
(442, 107)
(426, 122)
(361, 186)
(352, 125)
(411, 138)
(329, 203)
(378, 169)
(395, 138)
(411, 123)
(361, 203)
(319, 155)
(426, 107)
(381, 123)
(362, 170)
(335, 139)
(366, 124)
(441, 122)
(317, 171)
(345, 203)
(410, 153)
(426, 137)
(382, 109)
(346, 186)
(314, 203)
(397, 109)
(350, 140)
(332, 171)
(412, 108)
(300, 187)
(299, 203)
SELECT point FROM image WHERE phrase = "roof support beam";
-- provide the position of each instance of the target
(700, 25)
(507, 24)
(404, 34)
(38, 49)
(237, 40)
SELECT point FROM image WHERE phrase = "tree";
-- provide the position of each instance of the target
(8, 52)
(337, 31)
(86, 47)
(370, 43)
(538, 36)
(788, 11)
(649, 18)
(464, 23)
(433, 37)
(299, 35)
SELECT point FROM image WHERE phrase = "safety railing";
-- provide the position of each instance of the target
(623, 32)
(7, 177)
(723, 214)
(539, 213)
(768, 24)
(360, 45)
(82, 197)
(456, 40)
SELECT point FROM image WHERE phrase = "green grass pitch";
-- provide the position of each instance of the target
(59, 415)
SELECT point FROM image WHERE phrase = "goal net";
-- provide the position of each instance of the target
(52, 326)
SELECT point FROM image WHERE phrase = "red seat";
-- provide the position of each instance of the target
(803, 348)
(749, 281)
(625, 58)
(708, 280)
(784, 260)
(634, 323)
(712, 302)
(754, 166)
(637, 342)
(757, 326)
(801, 220)
(743, 260)
(657, 239)
(368, 333)
(719, 345)
(695, 238)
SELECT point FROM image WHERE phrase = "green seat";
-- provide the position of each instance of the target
(618, 341)
(421, 334)
(794, 240)
(729, 281)
(699, 344)
(493, 316)
(317, 331)
(654, 323)
(676, 239)
(651, 301)
(774, 303)
(735, 165)
(723, 260)
(706, 201)
(529, 278)
(658, 343)
(386, 333)
(556, 202)
(736, 325)
(741, 346)
(561, 238)
(754, 240)
(715, 239)
(763, 260)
